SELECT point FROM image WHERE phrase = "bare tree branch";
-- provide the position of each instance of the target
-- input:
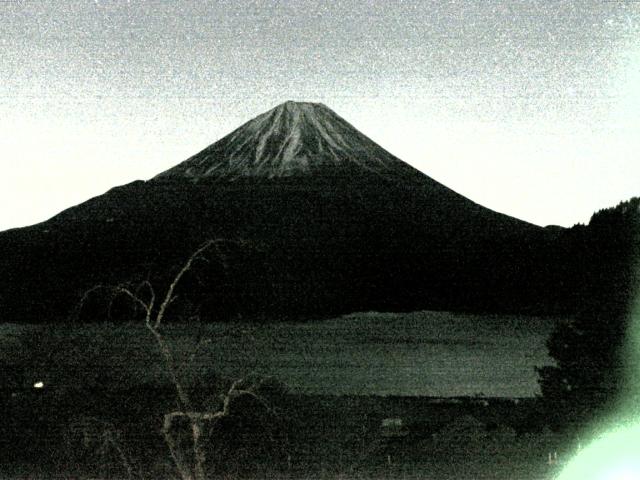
(84, 299)
(146, 307)
(176, 280)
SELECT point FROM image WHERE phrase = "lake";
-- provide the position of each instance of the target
(438, 354)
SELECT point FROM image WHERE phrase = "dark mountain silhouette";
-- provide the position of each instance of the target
(330, 223)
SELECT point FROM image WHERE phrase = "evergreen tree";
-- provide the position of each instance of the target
(589, 349)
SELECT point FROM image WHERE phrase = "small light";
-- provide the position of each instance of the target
(38, 385)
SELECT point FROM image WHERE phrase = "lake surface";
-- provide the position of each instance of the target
(420, 353)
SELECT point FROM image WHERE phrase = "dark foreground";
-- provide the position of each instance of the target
(108, 434)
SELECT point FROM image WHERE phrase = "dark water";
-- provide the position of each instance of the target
(421, 353)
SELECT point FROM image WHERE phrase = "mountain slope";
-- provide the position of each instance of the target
(329, 221)
(292, 139)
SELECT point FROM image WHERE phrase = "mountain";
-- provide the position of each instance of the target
(293, 139)
(320, 220)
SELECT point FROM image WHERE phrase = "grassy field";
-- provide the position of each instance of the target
(320, 437)
(337, 380)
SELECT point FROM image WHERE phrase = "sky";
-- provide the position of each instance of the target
(531, 108)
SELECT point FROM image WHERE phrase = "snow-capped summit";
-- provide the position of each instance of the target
(294, 138)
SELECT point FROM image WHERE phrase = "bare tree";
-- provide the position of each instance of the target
(190, 462)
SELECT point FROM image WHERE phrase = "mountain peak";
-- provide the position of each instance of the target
(293, 104)
(292, 139)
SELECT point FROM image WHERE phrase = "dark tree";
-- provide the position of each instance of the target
(589, 349)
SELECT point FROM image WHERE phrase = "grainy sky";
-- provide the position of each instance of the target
(531, 108)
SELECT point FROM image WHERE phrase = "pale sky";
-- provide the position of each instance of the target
(531, 108)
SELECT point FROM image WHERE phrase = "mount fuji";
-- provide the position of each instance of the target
(330, 223)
